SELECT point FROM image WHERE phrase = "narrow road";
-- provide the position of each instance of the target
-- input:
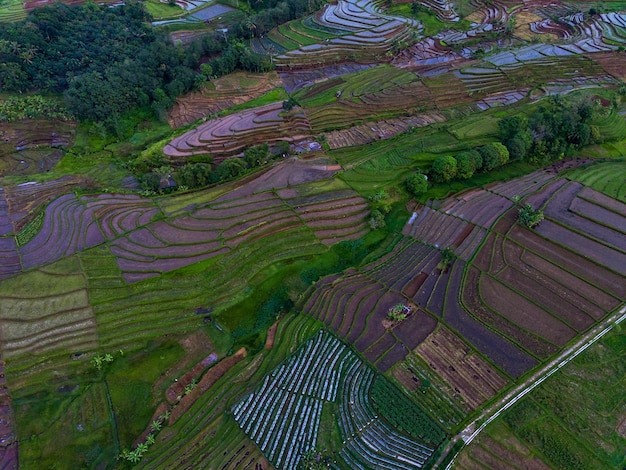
(513, 396)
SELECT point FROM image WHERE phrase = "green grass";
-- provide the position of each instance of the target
(277, 94)
(606, 177)
(65, 429)
(11, 11)
(475, 126)
(163, 11)
(571, 419)
(432, 25)
(130, 379)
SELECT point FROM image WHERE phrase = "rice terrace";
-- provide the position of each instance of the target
(355, 234)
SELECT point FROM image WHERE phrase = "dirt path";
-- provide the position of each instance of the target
(472, 430)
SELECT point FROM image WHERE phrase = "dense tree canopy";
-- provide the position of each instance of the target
(551, 132)
(107, 61)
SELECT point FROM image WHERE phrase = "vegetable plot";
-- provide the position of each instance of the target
(283, 415)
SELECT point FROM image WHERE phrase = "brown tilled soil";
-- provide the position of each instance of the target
(468, 374)
(271, 335)
(220, 94)
(522, 312)
(196, 344)
(573, 263)
(505, 327)
(505, 452)
(408, 380)
(160, 411)
(413, 286)
(613, 62)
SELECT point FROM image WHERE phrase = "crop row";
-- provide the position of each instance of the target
(368, 440)
(207, 437)
(363, 32)
(436, 396)
(222, 93)
(283, 415)
(145, 248)
(356, 305)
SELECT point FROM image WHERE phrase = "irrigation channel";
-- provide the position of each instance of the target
(488, 415)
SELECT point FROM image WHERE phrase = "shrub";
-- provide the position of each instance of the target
(416, 184)
(377, 219)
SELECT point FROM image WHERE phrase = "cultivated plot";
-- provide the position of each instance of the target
(283, 415)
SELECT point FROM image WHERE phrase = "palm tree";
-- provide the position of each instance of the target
(27, 55)
(250, 25)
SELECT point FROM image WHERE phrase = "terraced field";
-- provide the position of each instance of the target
(347, 28)
(229, 135)
(219, 95)
(604, 177)
(207, 435)
(377, 91)
(575, 254)
(29, 147)
(123, 319)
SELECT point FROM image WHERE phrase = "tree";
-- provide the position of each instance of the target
(230, 168)
(517, 147)
(195, 175)
(377, 219)
(467, 163)
(444, 169)
(257, 155)
(416, 184)
(447, 256)
(490, 157)
(529, 217)
(511, 126)
(281, 148)
(503, 153)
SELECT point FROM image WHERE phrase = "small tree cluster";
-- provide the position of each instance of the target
(447, 256)
(397, 313)
(444, 169)
(529, 217)
(551, 132)
(381, 206)
(493, 155)
(99, 360)
(467, 163)
(134, 456)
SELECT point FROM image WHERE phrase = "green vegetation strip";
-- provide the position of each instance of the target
(607, 177)
(402, 413)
